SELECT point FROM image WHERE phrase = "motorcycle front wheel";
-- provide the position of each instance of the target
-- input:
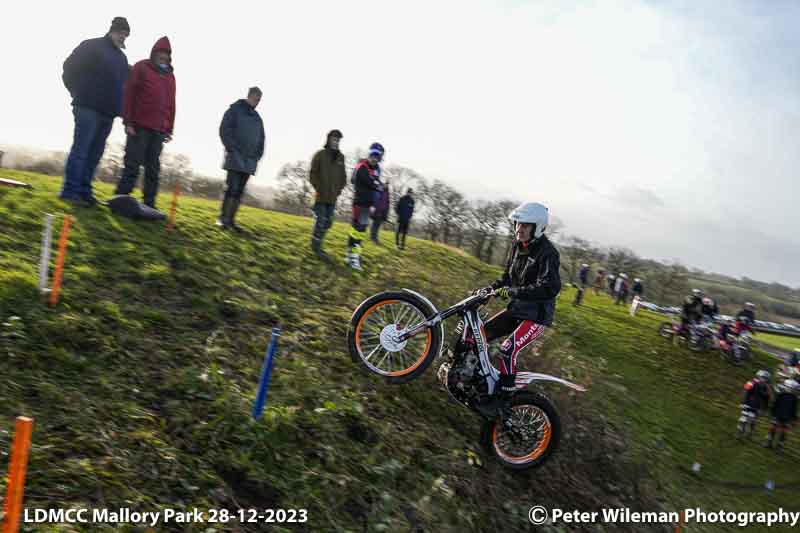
(533, 437)
(372, 342)
(665, 330)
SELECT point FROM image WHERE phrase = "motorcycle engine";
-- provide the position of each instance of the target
(462, 377)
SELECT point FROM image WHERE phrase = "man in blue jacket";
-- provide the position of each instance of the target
(404, 210)
(242, 134)
(94, 75)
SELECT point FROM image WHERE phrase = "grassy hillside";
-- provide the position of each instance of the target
(141, 383)
(781, 341)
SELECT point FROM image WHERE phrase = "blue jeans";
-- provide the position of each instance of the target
(323, 218)
(88, 143)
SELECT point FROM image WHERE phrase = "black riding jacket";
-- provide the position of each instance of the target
(533, 271)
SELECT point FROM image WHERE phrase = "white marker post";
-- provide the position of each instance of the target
(44, 263)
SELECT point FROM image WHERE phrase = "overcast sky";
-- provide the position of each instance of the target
(667, 127)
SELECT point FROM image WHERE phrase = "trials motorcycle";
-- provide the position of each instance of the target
(398, 334)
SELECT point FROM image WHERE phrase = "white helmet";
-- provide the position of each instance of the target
(750, 305)
(636, 280)
(584, 265)
(697, 292)
(763, 374)
(532, 213)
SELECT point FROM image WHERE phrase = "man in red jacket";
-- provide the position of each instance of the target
(149, 115)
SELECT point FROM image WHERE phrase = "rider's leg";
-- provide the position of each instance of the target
(523, 335)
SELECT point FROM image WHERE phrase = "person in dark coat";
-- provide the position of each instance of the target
(583, 275)
(380, 211)
(149, 114)
(242, 134)
(531, 281)
(638, 288)
(404, 210)
(94, 74)
(328, 176)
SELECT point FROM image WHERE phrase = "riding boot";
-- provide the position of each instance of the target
(235, 202)
(316, 246)
(224, 215)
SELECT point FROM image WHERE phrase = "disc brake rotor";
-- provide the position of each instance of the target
(389, 339)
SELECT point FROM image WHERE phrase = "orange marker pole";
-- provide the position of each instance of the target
(175, 195)
(62, 253)
(16, 473)
(680, 524)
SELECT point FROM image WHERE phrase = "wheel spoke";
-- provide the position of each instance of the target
(384, 358)
(372, 352)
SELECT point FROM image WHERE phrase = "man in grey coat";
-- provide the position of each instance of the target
(242, 134)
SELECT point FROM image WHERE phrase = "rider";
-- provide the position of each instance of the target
(366, 180)
(748, 312)
(784, 412)
(756, 392)
(531, 280)
(692, 305)
(708, 309)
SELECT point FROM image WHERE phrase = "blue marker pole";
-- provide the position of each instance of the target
(266, 372)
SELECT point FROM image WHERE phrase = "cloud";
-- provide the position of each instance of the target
(638, 197)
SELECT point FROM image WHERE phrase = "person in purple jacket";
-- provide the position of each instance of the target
(380, 212)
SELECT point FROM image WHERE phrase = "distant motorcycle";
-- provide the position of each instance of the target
(736, 348)
(673, 329)
(397, 334)
(701, 337)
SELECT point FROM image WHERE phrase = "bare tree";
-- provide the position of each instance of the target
(295, 193)
(622, 260)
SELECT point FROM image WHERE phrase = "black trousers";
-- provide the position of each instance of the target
(400, 234)
(144, 148)
(236, 182)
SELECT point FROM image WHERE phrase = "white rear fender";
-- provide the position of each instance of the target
(526, 378)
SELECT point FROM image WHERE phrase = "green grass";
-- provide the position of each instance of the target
(142, 379)
(781, 341)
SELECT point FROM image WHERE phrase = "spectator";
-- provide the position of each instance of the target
(328, 177)
(242, 135)
(638, 288)
(611, 283)
(599, 279)
(583, 275)
(366, 180)
(621, 288)
(94, 75)
(380, 212)
(149, 114)
(404, 210)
